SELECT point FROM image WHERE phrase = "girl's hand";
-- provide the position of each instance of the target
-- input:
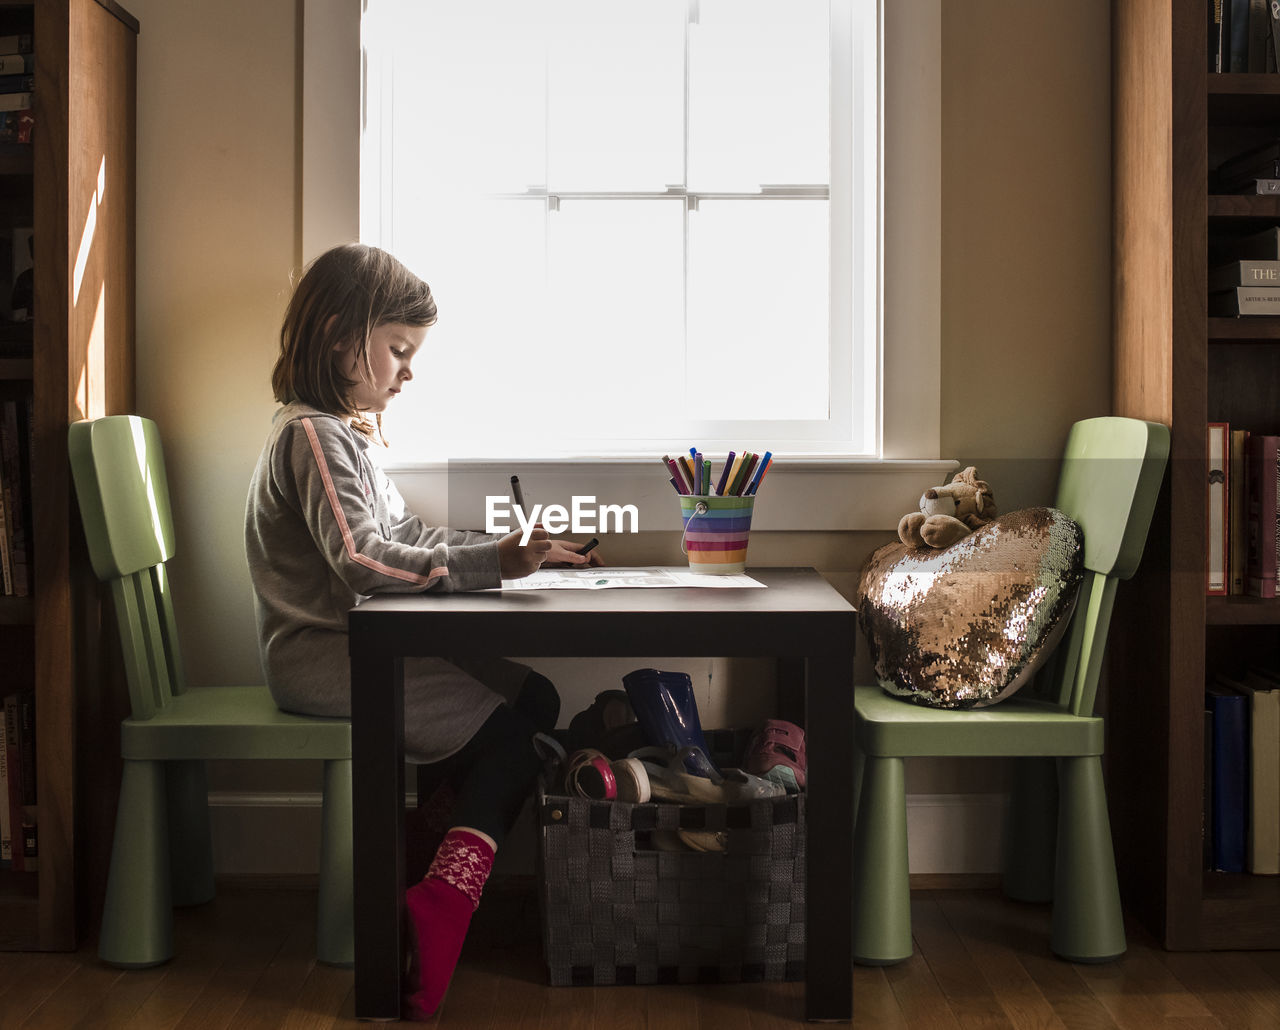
(516, 561)
(564, 554)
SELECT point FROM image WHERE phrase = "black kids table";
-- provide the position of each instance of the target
(799, 618)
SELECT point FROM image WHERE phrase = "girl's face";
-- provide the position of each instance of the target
(391, 351)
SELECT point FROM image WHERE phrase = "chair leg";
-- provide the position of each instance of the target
(190, 839)
(1088, 925)
(881, 891)
(1031, 830)
(335, 920)
(137, 916)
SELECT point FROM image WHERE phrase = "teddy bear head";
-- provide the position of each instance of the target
(948, 513)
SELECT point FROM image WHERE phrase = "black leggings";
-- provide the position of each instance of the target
(496, 769)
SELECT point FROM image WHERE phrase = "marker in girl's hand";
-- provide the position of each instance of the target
(588, 546)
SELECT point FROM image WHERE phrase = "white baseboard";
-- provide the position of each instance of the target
(261, 834)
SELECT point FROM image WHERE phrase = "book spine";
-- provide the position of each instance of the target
(17, 83)
(1218, 462)
(1246, 300)
(17, 64)
(1262, 467)
(15, 101)
(1230, 779)
(6, 568)
(14, 490)
(1273, 10)
(16, 44)
(1237, 516)
(6, 832)
(13, 744)
(1215, 36)
(1239, 35)
(1245, 273)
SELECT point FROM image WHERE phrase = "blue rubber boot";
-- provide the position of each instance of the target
(667, 711)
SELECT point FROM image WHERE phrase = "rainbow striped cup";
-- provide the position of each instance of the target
(715, 532)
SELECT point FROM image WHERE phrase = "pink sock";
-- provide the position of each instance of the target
(439, 910)
(424, 830)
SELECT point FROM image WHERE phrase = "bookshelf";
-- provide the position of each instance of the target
(74, 186)
(1172, 121)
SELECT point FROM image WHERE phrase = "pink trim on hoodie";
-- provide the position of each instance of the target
(340, 516)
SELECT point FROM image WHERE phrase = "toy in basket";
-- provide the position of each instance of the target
(707, 885)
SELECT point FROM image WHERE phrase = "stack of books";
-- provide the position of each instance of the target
(1243, 505)
(1250, 283)
(19, 838)
(17, 88)
(1242, 772)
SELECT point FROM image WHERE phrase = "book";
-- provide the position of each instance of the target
(13, 744)
(16, 126)
(6, 566)
(1230, 712)
(1263, 836)
(1237, 536)
(17, 83)
(1262, 485)
(1245, 300)
(30, 839)
(1261, 161)
(12, 495)
(6, 832)
(16, 44)
(1273, 9)
(1260, 246)
(1239, 24)
(1259, 36)
(1217, 458)
(1215, 36)
(1244, 273)
(1206, 815)
(17, 64)
(14, 101)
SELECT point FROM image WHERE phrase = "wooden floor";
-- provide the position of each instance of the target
(246, 961)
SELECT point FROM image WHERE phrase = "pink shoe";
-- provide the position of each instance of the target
(777, 753)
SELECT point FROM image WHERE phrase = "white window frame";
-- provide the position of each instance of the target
(810, 491)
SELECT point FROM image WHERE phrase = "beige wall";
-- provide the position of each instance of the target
(1024, 166)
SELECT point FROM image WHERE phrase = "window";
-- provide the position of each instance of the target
(648, 223)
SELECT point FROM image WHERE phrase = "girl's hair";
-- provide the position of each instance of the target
(343, 295)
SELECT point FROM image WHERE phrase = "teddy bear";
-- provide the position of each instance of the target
(949, 513)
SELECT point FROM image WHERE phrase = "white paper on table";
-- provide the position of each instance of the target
(604, 579)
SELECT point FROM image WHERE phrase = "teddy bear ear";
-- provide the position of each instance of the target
(967, 475)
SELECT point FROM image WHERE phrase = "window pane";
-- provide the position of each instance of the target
(616, 299)
(485, 263)
(758, 342)
(758, 94)
(615, 89)
(469, 96)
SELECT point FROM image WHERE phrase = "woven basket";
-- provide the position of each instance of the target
(617, 911)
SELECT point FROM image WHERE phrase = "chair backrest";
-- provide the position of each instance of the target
(117, 465)
(1111, 473)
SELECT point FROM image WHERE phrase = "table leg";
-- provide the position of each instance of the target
(377, 774)
(829, 849)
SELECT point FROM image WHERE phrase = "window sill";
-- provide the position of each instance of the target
(813, 492)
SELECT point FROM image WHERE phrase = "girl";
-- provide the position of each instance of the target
(324, 526)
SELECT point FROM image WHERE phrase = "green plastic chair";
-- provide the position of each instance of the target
(1057, 834)
(161, 855)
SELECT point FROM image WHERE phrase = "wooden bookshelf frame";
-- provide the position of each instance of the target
(1176, 365)
(81, 364)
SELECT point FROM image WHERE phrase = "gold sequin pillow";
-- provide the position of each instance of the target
(968, 625)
